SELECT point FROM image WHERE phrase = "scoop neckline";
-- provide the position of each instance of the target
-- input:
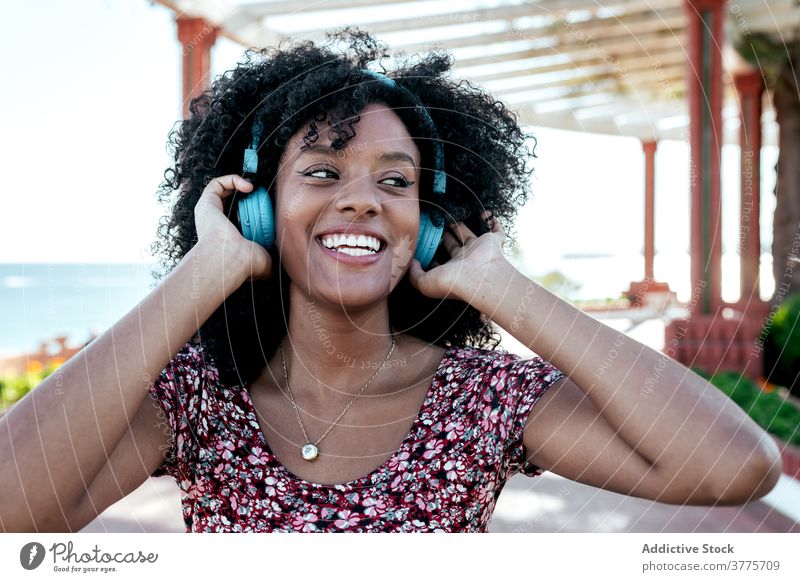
(281, 469)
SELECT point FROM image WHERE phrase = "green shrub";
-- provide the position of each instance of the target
(771, 412)
(14, 387)
(782, 345)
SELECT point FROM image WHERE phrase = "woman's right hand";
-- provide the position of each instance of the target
(212, 224)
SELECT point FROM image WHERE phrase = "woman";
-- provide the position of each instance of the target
(334, 383)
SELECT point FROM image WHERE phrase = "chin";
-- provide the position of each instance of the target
(352, 296)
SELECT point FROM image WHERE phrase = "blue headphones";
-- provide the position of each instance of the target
(255, 209)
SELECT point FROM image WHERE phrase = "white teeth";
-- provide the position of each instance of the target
(354, 252)
(369, 244)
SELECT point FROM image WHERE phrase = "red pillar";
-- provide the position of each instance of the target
(749, 87)
(649, 148)
(704, 84)
(197, 36)
(649, 291)
(710, 338)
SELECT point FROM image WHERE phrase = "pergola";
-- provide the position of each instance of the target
(650, 69)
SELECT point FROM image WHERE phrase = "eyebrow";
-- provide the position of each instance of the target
(395, 156)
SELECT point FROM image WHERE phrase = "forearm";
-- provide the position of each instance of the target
(56, 439)
(671, 416)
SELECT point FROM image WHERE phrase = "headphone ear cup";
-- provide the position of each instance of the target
(428, 241)
(256, 218)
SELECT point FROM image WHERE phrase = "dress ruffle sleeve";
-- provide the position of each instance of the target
(523, 381)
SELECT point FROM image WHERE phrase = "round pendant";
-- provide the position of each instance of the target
(310, 452)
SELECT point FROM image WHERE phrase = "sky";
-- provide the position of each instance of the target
(92, 90)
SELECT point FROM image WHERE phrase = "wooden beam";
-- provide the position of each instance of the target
(628, 112)
(613, 47)
(259, 12)
(583, 94)
(580, 41)
(505, 12)
(606, 126)
(620, 66)
(572, 103)
(288, 7)
(599, 85)
(609, 27)
(470, 16)
(644, 88)
(617, 67)
(529, 67)
(628, 8)
(644, 67)
(771, 21)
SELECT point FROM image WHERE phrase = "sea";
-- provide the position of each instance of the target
(41, 301)
(44, 300)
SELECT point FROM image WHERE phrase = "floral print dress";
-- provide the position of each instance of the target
(446, 476)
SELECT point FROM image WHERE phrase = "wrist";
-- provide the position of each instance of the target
(510, 299)
(487, 284)
(225, 261)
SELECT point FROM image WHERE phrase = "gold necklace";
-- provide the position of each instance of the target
(310, 451)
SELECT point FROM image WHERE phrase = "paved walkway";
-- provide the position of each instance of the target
(550, 503)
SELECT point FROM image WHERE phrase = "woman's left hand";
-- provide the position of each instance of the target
(472, 259)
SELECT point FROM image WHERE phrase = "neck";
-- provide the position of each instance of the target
(331, 353)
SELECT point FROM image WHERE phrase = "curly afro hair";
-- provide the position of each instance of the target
(298, 83)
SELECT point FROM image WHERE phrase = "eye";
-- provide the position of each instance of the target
(319, 170)
(402, 182)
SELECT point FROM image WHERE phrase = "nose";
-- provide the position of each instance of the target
(360, 196)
